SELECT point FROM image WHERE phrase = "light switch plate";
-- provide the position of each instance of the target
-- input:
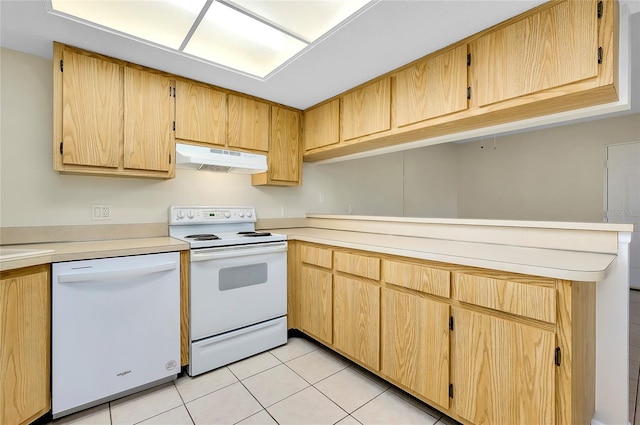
(100, 212)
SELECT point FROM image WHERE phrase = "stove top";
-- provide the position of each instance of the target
(205, 227)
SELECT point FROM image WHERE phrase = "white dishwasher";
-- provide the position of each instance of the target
(115, 328)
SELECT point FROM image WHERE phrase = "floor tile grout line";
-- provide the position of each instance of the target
(182, 398)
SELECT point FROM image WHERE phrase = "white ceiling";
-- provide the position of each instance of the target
(385, 35)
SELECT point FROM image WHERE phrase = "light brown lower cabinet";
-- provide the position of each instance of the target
(356, 319)
(25, 353)
(316, 292)
(482, 346)
(415, 344)
(502, 372)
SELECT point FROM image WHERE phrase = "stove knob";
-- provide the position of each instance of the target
(180, 215)
(249, 213)
(241, 213)
(227, 214)
(190, 214)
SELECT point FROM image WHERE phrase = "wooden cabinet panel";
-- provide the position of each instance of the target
(284, 156)
(148, 120)
(248, 123)
(414, 276)
(91, 111)
(356, 320)
(184, 307)
(201, 114)
(415, 344)
(537, 301)
(367, 110)
(322, 125)
(317, 256)
(317, 303)
(432, 87)
(502, 372)
(357, 264)
(554, 47)
(25, 328)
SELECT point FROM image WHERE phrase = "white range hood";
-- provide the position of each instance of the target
(221, 160)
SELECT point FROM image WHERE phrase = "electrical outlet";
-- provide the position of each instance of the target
(284, 211)
(350, 208)
(321, 198)
(100, 212)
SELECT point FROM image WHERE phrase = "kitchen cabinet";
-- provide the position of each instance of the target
(552, 48)
(25, 353)
(481, 345)
(557, 57)
(284, 158)
(432, 87)
(415, 343)
(316, 293)
(110, 118)
(356, 320)
(201, 114)
(248, 123)
(502, 372)
(322, 125)
(367, 110)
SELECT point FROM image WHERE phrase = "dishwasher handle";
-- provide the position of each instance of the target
(220, 253)
(116, 274)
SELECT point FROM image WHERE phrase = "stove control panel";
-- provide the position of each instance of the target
(205, 215)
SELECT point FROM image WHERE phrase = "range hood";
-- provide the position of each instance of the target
(221, 160)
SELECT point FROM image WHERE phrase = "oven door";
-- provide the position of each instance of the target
(233, 287)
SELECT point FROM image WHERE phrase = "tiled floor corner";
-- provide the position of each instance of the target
(297, 383)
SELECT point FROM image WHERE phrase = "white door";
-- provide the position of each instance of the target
(623, 197)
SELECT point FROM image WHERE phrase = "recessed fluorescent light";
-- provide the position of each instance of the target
(251, 36)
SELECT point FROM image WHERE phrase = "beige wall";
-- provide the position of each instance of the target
(552, 174)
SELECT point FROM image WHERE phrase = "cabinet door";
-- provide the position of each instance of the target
(356, 320)
(201, 114)
(316, 306)
(322, 125)
(367, 110)
(433, 87)
(551, 48)
(502, 372)
(284, 149)
(248, 124)
(415, 344)
(91, 111)
(24, 344)
(148, 117)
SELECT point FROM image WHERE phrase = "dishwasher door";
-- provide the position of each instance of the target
(116, 327)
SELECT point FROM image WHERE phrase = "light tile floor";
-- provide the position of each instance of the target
(298, 383)
(634, 356)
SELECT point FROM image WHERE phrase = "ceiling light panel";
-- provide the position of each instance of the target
(235, 40)
(309, 19)
(162, 22)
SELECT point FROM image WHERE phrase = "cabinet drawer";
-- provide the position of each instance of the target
(536, 300)
(317, 256)
(421, 278)
(357, 264)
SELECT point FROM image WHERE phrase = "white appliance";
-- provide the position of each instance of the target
(116, 328)
(238, 284)
(222, 160)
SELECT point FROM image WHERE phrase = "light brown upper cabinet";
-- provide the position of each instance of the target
(432, 87)
(284, 158)
(367, 110)
(91, 110)
(322, 125)
(201, 114)
(248, 123)
(148, 121)
(551, 48)
(110, 118)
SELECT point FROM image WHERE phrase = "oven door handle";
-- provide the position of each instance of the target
(206, 255)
